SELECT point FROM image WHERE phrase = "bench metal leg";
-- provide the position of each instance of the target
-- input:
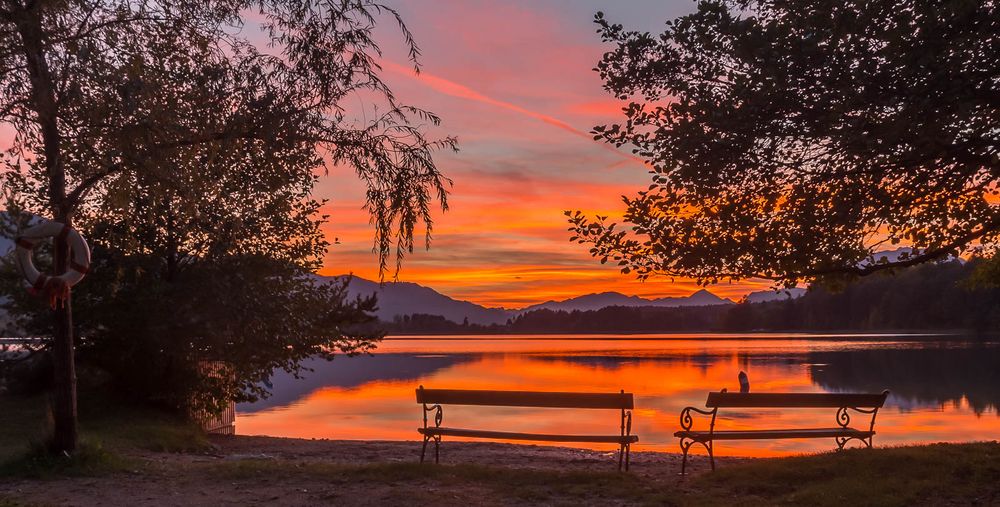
(624, 453)
(423, 450)
(711, 454)
(626, 445)
(686, 447)
(437, 449)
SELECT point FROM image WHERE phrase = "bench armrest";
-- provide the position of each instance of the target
(844, 416)
(438, 414)
(687, 421)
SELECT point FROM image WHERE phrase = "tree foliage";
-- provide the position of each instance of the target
(931, 296)
(189, 135)
(162, 88)
(794, 140)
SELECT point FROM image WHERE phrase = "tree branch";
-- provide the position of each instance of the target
(74, 197)
(928, 255)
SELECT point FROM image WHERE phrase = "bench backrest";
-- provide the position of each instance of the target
(621, 400)
(796, 400)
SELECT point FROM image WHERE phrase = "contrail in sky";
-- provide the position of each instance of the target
(454, 89)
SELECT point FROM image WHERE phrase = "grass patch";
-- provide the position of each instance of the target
(917, 475)
(527, 485)
(89, 460)
(22, 420)
(9, 502)
(102, 420)
(123, 426)
(931, 474)
(106, 429)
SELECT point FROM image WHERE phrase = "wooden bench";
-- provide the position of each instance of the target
(433, 399)
(842, 433)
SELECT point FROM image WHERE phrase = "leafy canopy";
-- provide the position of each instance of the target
(794, 140)
(190, 135)
(161, 87)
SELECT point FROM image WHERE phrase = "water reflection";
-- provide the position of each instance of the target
(937, 388)
(931, 376)
(351, 373)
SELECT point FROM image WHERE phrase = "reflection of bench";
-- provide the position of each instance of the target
(842, 433)
(433, 399)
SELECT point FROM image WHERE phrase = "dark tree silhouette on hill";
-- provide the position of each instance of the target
(794, 140)
(931, 296)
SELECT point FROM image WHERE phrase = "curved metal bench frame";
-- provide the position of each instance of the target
(869, 405)
(433, 399)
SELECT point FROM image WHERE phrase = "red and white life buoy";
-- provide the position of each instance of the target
(56, 288)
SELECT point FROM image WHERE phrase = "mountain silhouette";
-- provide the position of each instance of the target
(763, 296)
(606, 299)
(396, 299)
(405, 298)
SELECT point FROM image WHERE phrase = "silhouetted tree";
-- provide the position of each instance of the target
(138, 116)
(793, 140)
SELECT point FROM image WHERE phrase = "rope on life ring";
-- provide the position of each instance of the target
(53, 288)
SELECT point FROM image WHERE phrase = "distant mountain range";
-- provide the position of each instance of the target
(405, 298)
(763, 296)
(606, 299)
(902, 253)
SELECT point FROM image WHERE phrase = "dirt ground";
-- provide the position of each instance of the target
(244, 470)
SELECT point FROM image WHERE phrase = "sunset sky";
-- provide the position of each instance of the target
(513, 81)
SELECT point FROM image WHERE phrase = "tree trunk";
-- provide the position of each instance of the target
(64, 437)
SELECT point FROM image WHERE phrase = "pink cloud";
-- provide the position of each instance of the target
(461, 91)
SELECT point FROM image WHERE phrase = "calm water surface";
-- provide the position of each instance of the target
(943, 388)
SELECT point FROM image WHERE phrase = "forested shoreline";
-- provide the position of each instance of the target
(932, 297)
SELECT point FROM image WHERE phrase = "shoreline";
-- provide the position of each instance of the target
(257, 470)
(455, 452)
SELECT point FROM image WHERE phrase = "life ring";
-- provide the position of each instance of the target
(55, 287)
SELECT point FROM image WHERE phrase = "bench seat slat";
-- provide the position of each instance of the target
(796, 400)
(775, 434)
(541, 399)
(460, 432)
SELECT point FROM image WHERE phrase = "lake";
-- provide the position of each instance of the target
(942, 388)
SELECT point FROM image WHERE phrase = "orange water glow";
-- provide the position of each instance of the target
(664, 375)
